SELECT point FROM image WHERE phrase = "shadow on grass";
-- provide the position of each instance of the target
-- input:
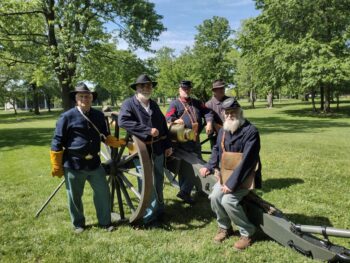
(180, 216)
(270, 125)
(11, 139)
(279, 183)
(27, 117)
(341, 113)
(309, 220)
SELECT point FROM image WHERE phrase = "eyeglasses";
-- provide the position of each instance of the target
(83, 96)
(145, 86)
(232, 112)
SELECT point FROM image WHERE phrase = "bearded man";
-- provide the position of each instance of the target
(238, 136)
(142, 117)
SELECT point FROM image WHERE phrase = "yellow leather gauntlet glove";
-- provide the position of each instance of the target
(114, 142)
(56, 163)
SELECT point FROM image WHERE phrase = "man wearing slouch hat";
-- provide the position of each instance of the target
(74, 153)
(142, 117)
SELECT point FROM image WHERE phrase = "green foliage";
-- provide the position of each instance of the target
(168, 80)
(297, 46)
(114, 70)
(62, 33)
(213, 43)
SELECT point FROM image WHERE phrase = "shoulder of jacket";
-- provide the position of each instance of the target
(250, 128)
(70, 112)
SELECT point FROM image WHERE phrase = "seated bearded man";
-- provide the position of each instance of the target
(238, 137)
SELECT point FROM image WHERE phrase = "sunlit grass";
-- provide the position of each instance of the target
(306, 174)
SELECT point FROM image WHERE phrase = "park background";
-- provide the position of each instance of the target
(288, 65)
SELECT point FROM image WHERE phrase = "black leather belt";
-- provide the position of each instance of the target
(77, 153)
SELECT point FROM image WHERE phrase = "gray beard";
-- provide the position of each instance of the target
(232, 125)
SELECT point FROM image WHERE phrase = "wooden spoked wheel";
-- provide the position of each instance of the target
(129, 176)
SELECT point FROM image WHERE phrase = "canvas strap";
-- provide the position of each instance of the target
(92, 124)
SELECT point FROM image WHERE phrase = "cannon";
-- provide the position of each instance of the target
(270, 220)
(129, 172)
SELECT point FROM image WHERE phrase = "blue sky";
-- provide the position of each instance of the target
(181, 17)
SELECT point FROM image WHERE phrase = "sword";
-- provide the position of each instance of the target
(49, 199)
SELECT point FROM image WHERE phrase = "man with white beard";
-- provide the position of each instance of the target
(142, 117)
(238, 135)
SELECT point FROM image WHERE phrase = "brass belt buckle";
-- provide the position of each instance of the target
(88, 157)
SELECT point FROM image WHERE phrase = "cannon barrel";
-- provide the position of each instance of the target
(329, 231)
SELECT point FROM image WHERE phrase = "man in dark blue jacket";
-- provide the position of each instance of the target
(75, 154)
(190, 112)
(142, 117)
(238, 135)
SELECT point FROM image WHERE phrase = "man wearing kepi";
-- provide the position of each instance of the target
(142, 117)
(215, 104)
(237, 154)
(75, 154)
(190, 112)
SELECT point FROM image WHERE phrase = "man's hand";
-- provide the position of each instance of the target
(209, 128)
(225, 189)
(204, 172)
(168, 152)
(114, 142)
(56, 163)
(179, 121)
(217, 175)
(154, 132)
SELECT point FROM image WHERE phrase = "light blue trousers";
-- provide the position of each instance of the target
(228, 209)
(75, 182)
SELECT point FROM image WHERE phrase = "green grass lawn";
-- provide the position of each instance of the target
(306, 174)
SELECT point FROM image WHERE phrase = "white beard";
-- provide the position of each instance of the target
(144, 96)
(232, 125)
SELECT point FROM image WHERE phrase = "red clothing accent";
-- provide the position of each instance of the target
(170, 112)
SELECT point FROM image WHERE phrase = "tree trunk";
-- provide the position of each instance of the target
(35, 99)
(313, 101)
(327, 102)
(322, 98)
(252, 98)
(164, 100)
(48, 102)
(64, 75)
(112, 100)
(337, 96)
(67, 103)
(270, 100)
(14, 102)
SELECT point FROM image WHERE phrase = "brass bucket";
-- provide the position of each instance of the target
(179, 133)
